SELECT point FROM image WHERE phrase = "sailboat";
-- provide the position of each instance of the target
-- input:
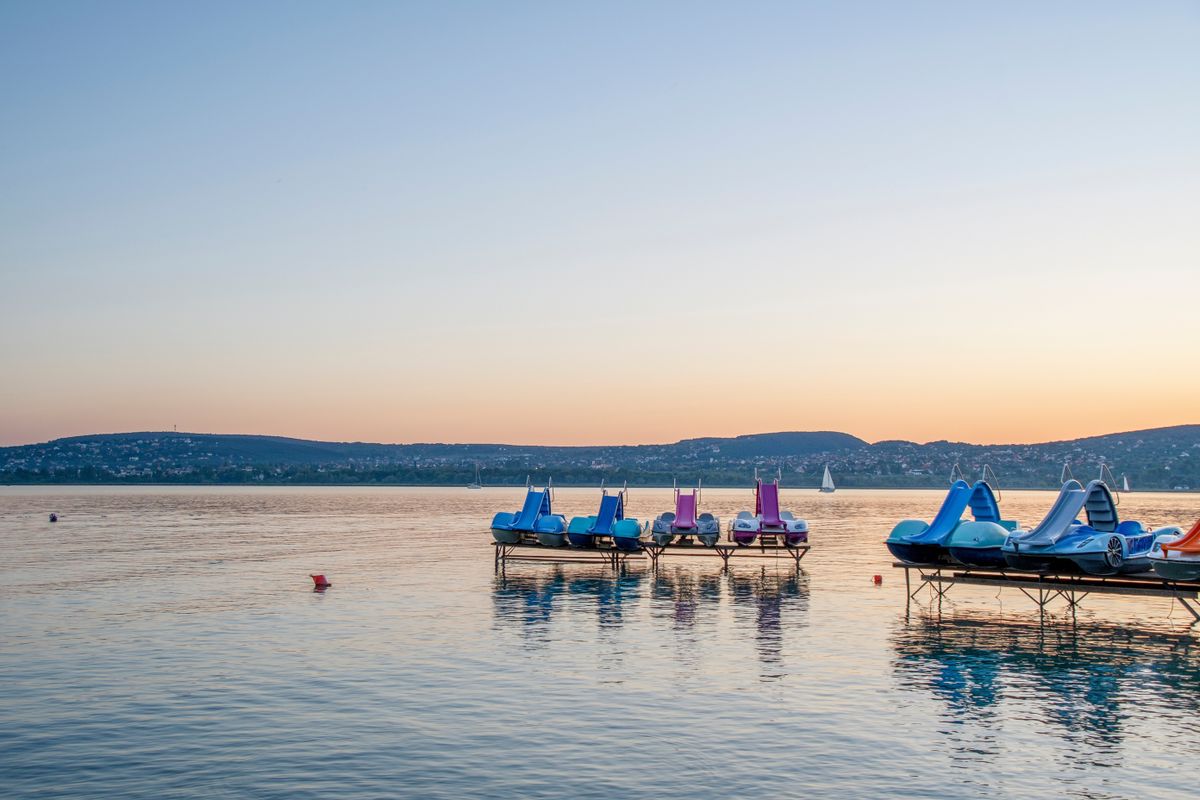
(477, 484)
(1124, 483)
(827, 481)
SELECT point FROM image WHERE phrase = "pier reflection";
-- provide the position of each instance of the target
(1087, 680)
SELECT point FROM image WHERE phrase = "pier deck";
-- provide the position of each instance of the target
(605, 553)
(726, 551)
(1043, 588)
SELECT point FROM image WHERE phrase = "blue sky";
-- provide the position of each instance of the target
(550, 222)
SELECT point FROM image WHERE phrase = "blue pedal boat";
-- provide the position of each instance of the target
(915, 541)
(535, 519)
(610, 521)
(1104, 545)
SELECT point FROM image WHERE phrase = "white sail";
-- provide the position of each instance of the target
(827, 481)
(477, 484)
(1125, 483)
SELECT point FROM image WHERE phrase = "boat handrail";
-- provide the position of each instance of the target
(956, 473)
(994, 482)
(1111, 482)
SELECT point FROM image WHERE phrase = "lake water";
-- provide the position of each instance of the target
(166, 643)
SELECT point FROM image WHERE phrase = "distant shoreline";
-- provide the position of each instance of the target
(1163, 459)
(812, 489)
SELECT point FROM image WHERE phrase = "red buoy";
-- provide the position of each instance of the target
(878, 580)
(320, 582)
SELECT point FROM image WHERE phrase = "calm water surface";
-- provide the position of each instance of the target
(167, 643)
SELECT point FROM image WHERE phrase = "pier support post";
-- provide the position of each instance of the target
(942, 589)
(724, 552)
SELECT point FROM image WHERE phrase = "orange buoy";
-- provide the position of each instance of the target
(320, 582)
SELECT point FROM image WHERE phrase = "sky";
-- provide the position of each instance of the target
(589, 223)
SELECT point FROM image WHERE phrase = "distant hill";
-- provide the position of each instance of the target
(1159, 458)
(1173, 437)
(789, 443)
(256, 449)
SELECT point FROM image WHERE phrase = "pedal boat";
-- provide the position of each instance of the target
(535, 520)
(767, 519)
(915, 541)
(1104, 545)
(685, 523)
(609, 520)
(1177, 558)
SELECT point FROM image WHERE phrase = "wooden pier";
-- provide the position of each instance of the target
(1044, 588)
(532, 551)
(606, 553)
(726, 551)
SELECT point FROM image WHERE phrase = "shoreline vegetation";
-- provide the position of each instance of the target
(1160, 459)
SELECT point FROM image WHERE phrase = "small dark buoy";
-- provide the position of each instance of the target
(878, 580)
(320, 582)
(54, 517)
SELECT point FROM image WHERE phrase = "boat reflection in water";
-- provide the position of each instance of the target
(529, 600)
(770, 594)
(763, 601)
(1087, 679)
(706, 608)
(686, 594)
(615, 594)
(533, 599)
